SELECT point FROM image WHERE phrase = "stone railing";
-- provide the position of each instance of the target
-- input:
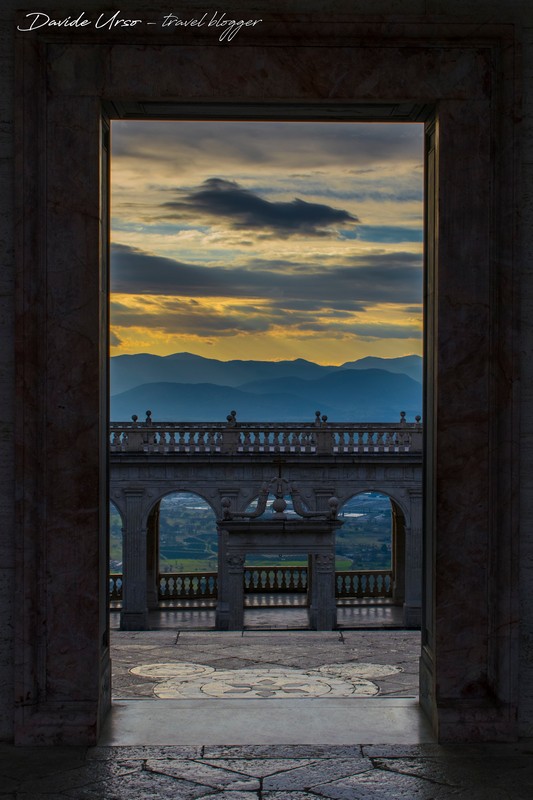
(267, 580)
(370, 583)
(187, 585)
(259, 438)
(275, 579)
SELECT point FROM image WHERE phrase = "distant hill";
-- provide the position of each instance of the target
(344, 395)
(129, 371)
(408, 365)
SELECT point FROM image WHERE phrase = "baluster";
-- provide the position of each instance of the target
(278, 580)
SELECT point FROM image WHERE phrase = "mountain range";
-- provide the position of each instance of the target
(184, 387)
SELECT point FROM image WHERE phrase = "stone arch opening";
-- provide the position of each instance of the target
(375, 540)
(366, 537)
(116, 533)
(191, 520)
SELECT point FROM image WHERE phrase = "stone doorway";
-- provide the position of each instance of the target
(454, 78)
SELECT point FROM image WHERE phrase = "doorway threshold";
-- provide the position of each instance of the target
(324, 721)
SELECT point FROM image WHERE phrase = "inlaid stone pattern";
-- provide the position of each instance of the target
(189, 680)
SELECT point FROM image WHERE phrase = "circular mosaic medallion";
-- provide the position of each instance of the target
(266, 686)
(182, 670)
(353, 671)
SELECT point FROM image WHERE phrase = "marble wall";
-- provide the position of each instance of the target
(478, 676)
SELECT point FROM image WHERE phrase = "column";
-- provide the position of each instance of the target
(412, 609)
(134, 615)
(398, 554)
(152, 565)
(323, 613)
(235, 564)
(222, 613)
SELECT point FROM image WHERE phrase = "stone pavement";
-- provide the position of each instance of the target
(200, 669)
(273, 772)
(193, 664)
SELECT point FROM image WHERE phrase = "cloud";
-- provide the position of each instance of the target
(186, 318)
(114, 340)
(300, 148)
(364, 280)
(219, 199)
(366, 330)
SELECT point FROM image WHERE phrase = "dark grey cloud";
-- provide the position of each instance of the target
(179, 317)
(364, 330)
(188, 318)
(364, 281)
(220, 199)
(303, 147)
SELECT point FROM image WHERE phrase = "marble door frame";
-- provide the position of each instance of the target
(69, 82)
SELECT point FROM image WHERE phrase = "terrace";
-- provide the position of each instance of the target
(229, 462)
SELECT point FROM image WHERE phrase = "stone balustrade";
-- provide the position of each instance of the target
(256, 438)
(266, 579)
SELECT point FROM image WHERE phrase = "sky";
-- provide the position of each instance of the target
(267, 240)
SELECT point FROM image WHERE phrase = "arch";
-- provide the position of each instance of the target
(356, 532)
(406, 548)
(178, 514)
(162, 493)
(112, 530)
(396, 496)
